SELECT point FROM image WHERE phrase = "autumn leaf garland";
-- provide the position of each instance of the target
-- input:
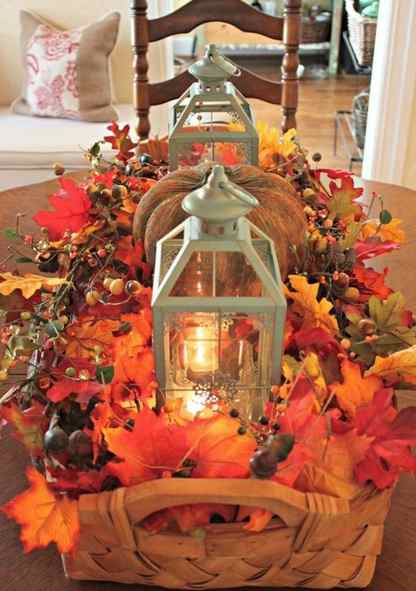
(349, 340)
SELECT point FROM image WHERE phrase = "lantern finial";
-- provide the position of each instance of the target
(213, 68)
(219, 200)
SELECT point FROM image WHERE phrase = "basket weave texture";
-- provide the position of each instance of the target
(315, 541)
(362, 33)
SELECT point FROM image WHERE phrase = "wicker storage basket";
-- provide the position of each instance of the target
(315, 541)
(316, 29)
(362, 33)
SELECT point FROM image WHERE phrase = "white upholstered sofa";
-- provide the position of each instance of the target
(29, 145)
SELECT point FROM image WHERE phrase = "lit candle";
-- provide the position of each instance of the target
(200, 350)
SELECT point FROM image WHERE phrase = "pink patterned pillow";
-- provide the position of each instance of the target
(67, 72)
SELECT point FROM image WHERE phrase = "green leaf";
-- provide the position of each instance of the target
(105, 374)
(53, 328)
(351, 235)
(385, 216)
(10, 234)
(95, 149)
(24, 260)
(386, 314)
(342, 205)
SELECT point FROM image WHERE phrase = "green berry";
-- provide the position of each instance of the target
(242, 430)
(70, 372)
(264, 420)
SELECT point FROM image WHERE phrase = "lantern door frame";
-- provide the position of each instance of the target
(237, 103)
(272, 304)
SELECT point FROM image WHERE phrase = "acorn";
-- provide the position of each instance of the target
(145, 159)
(367, 327)
(119, 192)
(48, 264)
(79, 444)
(55, 440)
(132, 287)
(342, 280)
(59, 169)
(264, 462)
(352, 294)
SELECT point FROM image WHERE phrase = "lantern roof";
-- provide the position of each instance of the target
(213, 67)
(219, 200)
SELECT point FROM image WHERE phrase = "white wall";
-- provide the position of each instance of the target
(390, 151)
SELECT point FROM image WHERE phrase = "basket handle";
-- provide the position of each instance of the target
(290, 505)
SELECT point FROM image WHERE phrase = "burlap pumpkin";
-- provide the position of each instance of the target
(280, 214)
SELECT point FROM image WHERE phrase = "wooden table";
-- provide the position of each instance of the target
(42, 570)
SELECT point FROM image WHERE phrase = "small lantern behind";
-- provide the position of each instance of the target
(218, 305)
(212, 120)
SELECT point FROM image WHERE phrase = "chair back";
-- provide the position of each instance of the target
(233, 12)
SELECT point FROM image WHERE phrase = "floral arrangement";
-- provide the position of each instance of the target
(86, 404)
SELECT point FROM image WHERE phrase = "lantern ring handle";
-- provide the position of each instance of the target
(227, 66)
(240, 194)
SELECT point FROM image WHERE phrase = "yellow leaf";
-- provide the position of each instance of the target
(355, 390)
(305, 304)
(28, 283)
(386, 232)
(314, 372)
(44, 517)
(397, 367)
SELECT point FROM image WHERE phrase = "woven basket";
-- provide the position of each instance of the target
(362, 34)
(314, 541)
(316, 30)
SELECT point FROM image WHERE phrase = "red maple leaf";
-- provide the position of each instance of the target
(392, 433)
(65, 386)
(121, 141)
(371, 282)
(71, 205)
(373, 247)
(315, 338)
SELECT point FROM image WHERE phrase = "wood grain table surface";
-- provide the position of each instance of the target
(42, 570)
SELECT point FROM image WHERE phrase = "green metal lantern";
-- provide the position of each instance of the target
(212, 120)
(218, 304)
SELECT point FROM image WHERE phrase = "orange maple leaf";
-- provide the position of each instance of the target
(217, 448)
(44, 517)
(87, 332)
(355, 390)
(386, 232)
(306, 306)
(258, 518)
(28, 426)
(151, 449)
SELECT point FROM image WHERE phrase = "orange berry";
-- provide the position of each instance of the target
(117, 287)
(352, 293)
(92, 297)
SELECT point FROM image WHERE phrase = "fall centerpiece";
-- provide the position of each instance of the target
(197, 489)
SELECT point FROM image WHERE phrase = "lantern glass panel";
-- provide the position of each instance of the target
(205, 120)
(219, 274)
(227, 350)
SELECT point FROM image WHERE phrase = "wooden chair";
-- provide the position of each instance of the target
(234, 12)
